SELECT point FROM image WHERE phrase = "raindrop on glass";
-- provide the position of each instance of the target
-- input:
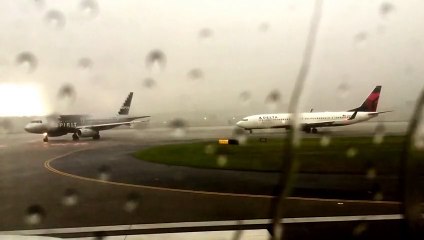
(386, 8)
(67, 95)
(85, 63)
(27, 62)
(273, 99)
(371, 173)
(343, 89)
(89, 8)
(379, 134)
(222, 160)
(195, 74)
(360, 229)
(245, 97)
(378, 196)
(104, 173)
(360, 38)
(34, 215)
(325, 141)
(351, 152)
(149, 83)
(205, 33)
(55, 19)
(70, 198)
(210, 149)
(6, 126)
(179, 127)
(263, 27)
(132, 202)
(240, 135)
(39, 3)
(156, 59)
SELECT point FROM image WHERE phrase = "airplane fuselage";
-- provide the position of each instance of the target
(65, 124)
(321, 119)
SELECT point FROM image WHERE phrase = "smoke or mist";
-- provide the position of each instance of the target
(211, 58)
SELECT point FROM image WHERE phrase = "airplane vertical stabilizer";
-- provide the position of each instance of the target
(125, 109)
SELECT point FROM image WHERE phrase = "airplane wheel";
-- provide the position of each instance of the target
(75, 137)
(96, 137)
(45, 139)
(314, 130)
(308, 130)
(250, 131)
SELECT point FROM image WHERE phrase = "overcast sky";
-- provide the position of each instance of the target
(218, 56)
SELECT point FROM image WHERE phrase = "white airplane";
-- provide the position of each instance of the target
(309, 122)
(81, 125)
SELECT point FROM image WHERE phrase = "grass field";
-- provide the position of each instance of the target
(346, 155)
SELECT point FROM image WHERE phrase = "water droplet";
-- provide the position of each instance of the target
(34, 215)
(89, 8)
(273, 99)
(240, 135)
(156, 59)
(39, 3)
(195, 74)
(379, 134)
(55, 19)
(222, 160)
(378, 196)
(179, 127)
(263, 27)
(205, 33)
(360, 39)
(360, 229)
(85, 63)
(66, 95)
(27, 62)
(245, 97)
(132, 202)
(386, 8)
(210, 149)
(343, 89)
(70, 198)
(6, 126)
(325, 141)
(149, 83)
(104, 173)
(371, 173)
(351, 152)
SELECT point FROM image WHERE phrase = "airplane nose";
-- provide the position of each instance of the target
(239, 124)
(27, 128)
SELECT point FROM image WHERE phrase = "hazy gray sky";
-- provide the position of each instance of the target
(248, 48)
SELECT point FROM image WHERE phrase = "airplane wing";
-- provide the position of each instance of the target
(320, 124)
(376, 113)
(105, 126)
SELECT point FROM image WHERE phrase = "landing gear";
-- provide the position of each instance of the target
(96, 137)
(75, 137)
(314, 130)
(250, 131)
(307, 130)
(46, 138)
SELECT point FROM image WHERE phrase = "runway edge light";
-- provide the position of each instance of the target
(228, 141)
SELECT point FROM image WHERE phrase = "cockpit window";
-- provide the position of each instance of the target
(36, 121)
(245, 119)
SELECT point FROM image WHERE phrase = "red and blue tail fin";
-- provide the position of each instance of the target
(370, 104)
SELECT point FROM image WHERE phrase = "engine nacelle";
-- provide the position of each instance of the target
(86, 132)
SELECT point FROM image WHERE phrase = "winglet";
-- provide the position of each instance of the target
(125, 109)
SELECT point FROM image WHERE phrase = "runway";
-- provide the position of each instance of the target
(63, 184)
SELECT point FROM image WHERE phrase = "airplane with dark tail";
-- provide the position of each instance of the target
(310, 121)
(81, 126)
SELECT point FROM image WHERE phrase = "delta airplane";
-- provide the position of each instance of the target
(81, 125)
(310, 121)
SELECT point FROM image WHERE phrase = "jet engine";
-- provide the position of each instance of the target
(86, 132)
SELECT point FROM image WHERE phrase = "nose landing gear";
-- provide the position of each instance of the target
(46, 138)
